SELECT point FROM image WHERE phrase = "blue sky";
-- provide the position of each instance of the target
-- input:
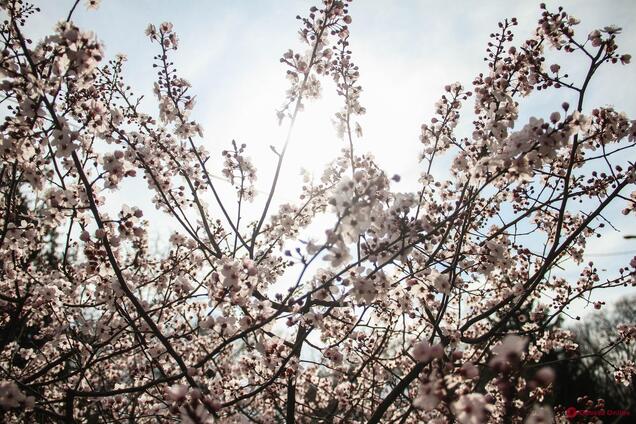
(407, 52)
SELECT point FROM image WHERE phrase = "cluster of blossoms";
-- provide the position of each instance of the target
(625, 373)
(237, 167)
(425, 306)
(438, 135)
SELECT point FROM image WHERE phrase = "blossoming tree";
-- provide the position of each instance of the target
(430, 306)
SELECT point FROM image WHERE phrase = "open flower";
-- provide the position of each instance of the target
(471, 408)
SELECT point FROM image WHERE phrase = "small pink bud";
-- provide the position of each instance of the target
(437, 351)
(421, 351)
(555, 117)
(545, 376)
